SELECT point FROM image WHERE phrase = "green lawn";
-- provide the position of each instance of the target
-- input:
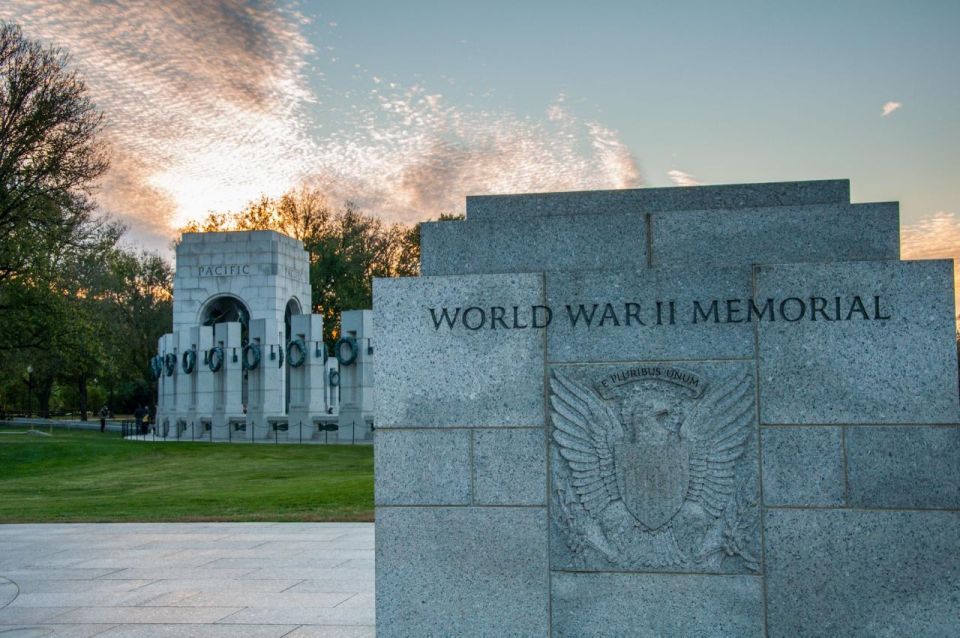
(86, 476)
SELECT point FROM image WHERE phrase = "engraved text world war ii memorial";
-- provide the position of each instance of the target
(706, 411)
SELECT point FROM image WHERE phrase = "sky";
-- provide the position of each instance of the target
(406, 107)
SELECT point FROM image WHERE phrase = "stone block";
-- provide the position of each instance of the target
(776, 235)
(654, 468)
(464, 571)
(422, 467)
(510, 466)
(430, 374)
(615, 316)
(803, 466)
(533, 244)
(507, 208)
(862, 573)
(908, 467)
(656, 605)
(889, 358)
(183, 280)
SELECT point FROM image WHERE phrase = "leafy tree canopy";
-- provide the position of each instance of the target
(74, 306)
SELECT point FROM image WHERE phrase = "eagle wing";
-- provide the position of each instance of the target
(717, 429)
(585, 429)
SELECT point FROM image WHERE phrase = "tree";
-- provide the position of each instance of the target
(73, 306)
(137, 302)
(49, 154)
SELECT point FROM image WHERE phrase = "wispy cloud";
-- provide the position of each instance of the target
(204, 100)
(412, 154)
(210, 104)
(890, 107)
(936, 237)
(680, 178)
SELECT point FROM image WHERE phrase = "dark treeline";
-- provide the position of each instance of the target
(79, 313)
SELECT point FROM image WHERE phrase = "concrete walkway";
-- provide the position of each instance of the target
(187, 579)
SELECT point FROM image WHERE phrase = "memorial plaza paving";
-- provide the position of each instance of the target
(187, 579)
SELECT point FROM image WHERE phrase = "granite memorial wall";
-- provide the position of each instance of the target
(724, 410)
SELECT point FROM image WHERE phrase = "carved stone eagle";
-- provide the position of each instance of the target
(650, 463)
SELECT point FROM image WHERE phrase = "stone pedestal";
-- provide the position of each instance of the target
(698, 411)
(356, 377)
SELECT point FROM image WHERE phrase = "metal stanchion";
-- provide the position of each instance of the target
(192, 432)
(301, 432)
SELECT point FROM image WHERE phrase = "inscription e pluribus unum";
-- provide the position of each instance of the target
(645, 469)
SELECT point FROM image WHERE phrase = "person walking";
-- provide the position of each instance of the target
(138, 415)
(104, 413)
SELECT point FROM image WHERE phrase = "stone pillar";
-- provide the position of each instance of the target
(184, 387)
(202, 410)
(307, 382)
(264, 382)
(356, 376)
(161, 383)
(227, 382)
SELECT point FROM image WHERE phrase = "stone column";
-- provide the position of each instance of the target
(307, 381)
(227, 382)
(265, 381)
(356, 377)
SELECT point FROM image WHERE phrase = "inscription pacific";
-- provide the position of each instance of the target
(663, 313)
